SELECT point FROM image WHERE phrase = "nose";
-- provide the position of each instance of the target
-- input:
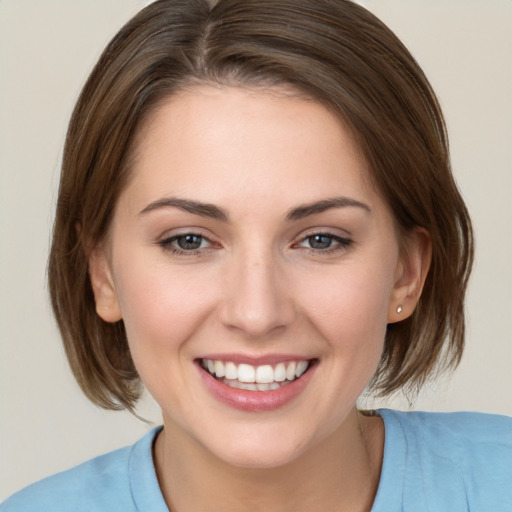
(257, 301)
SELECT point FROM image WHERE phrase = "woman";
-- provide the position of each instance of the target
(257, 220)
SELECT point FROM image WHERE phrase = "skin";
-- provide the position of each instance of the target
(257, 287)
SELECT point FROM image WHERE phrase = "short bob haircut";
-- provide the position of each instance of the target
(334, 52)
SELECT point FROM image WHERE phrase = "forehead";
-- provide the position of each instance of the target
(218, 142)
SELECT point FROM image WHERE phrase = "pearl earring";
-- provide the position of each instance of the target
(399, 309)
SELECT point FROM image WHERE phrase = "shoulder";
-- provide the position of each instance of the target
(460, 435)
(466, 455)
(466, 427)
(100, 484)
(99, 479)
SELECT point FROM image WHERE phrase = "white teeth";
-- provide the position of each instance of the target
(302, 366)
(231, 371)
(280, 372)
(254, 387)
(246, 373)
(290, 371)
(264, 374)
(261, 378)
(219, 369)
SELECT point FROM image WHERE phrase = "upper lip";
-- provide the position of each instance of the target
(270, 359)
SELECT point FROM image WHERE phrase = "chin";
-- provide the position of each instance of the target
(259, 452)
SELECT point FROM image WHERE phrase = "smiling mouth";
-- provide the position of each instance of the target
(256, 378)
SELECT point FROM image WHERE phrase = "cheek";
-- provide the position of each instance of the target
(161, 307)
(349, 306)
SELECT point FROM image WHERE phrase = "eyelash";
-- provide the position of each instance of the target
(340, 243)
(167, 244)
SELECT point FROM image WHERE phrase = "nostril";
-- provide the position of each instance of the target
(255, 299)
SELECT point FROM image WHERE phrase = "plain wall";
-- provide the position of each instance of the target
(47, 48)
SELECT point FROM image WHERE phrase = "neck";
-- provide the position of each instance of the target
(341, 473)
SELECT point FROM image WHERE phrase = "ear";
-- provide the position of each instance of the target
(412, 270)
(107, 305)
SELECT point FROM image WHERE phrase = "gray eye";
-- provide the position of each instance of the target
(320, 241)
(189, 242)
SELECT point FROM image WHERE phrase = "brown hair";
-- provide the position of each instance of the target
(334, 51)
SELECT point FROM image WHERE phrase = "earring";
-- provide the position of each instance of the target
(399, 309)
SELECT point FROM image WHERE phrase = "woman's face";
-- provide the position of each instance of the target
(250, 245)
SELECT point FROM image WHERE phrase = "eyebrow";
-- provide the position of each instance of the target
(188, 205)
(214, 212)
(326, 204)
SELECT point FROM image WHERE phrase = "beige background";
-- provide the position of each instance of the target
(47, 48)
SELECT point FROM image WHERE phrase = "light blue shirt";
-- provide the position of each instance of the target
(433, 462)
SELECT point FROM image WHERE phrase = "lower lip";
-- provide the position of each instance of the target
(255, 401)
